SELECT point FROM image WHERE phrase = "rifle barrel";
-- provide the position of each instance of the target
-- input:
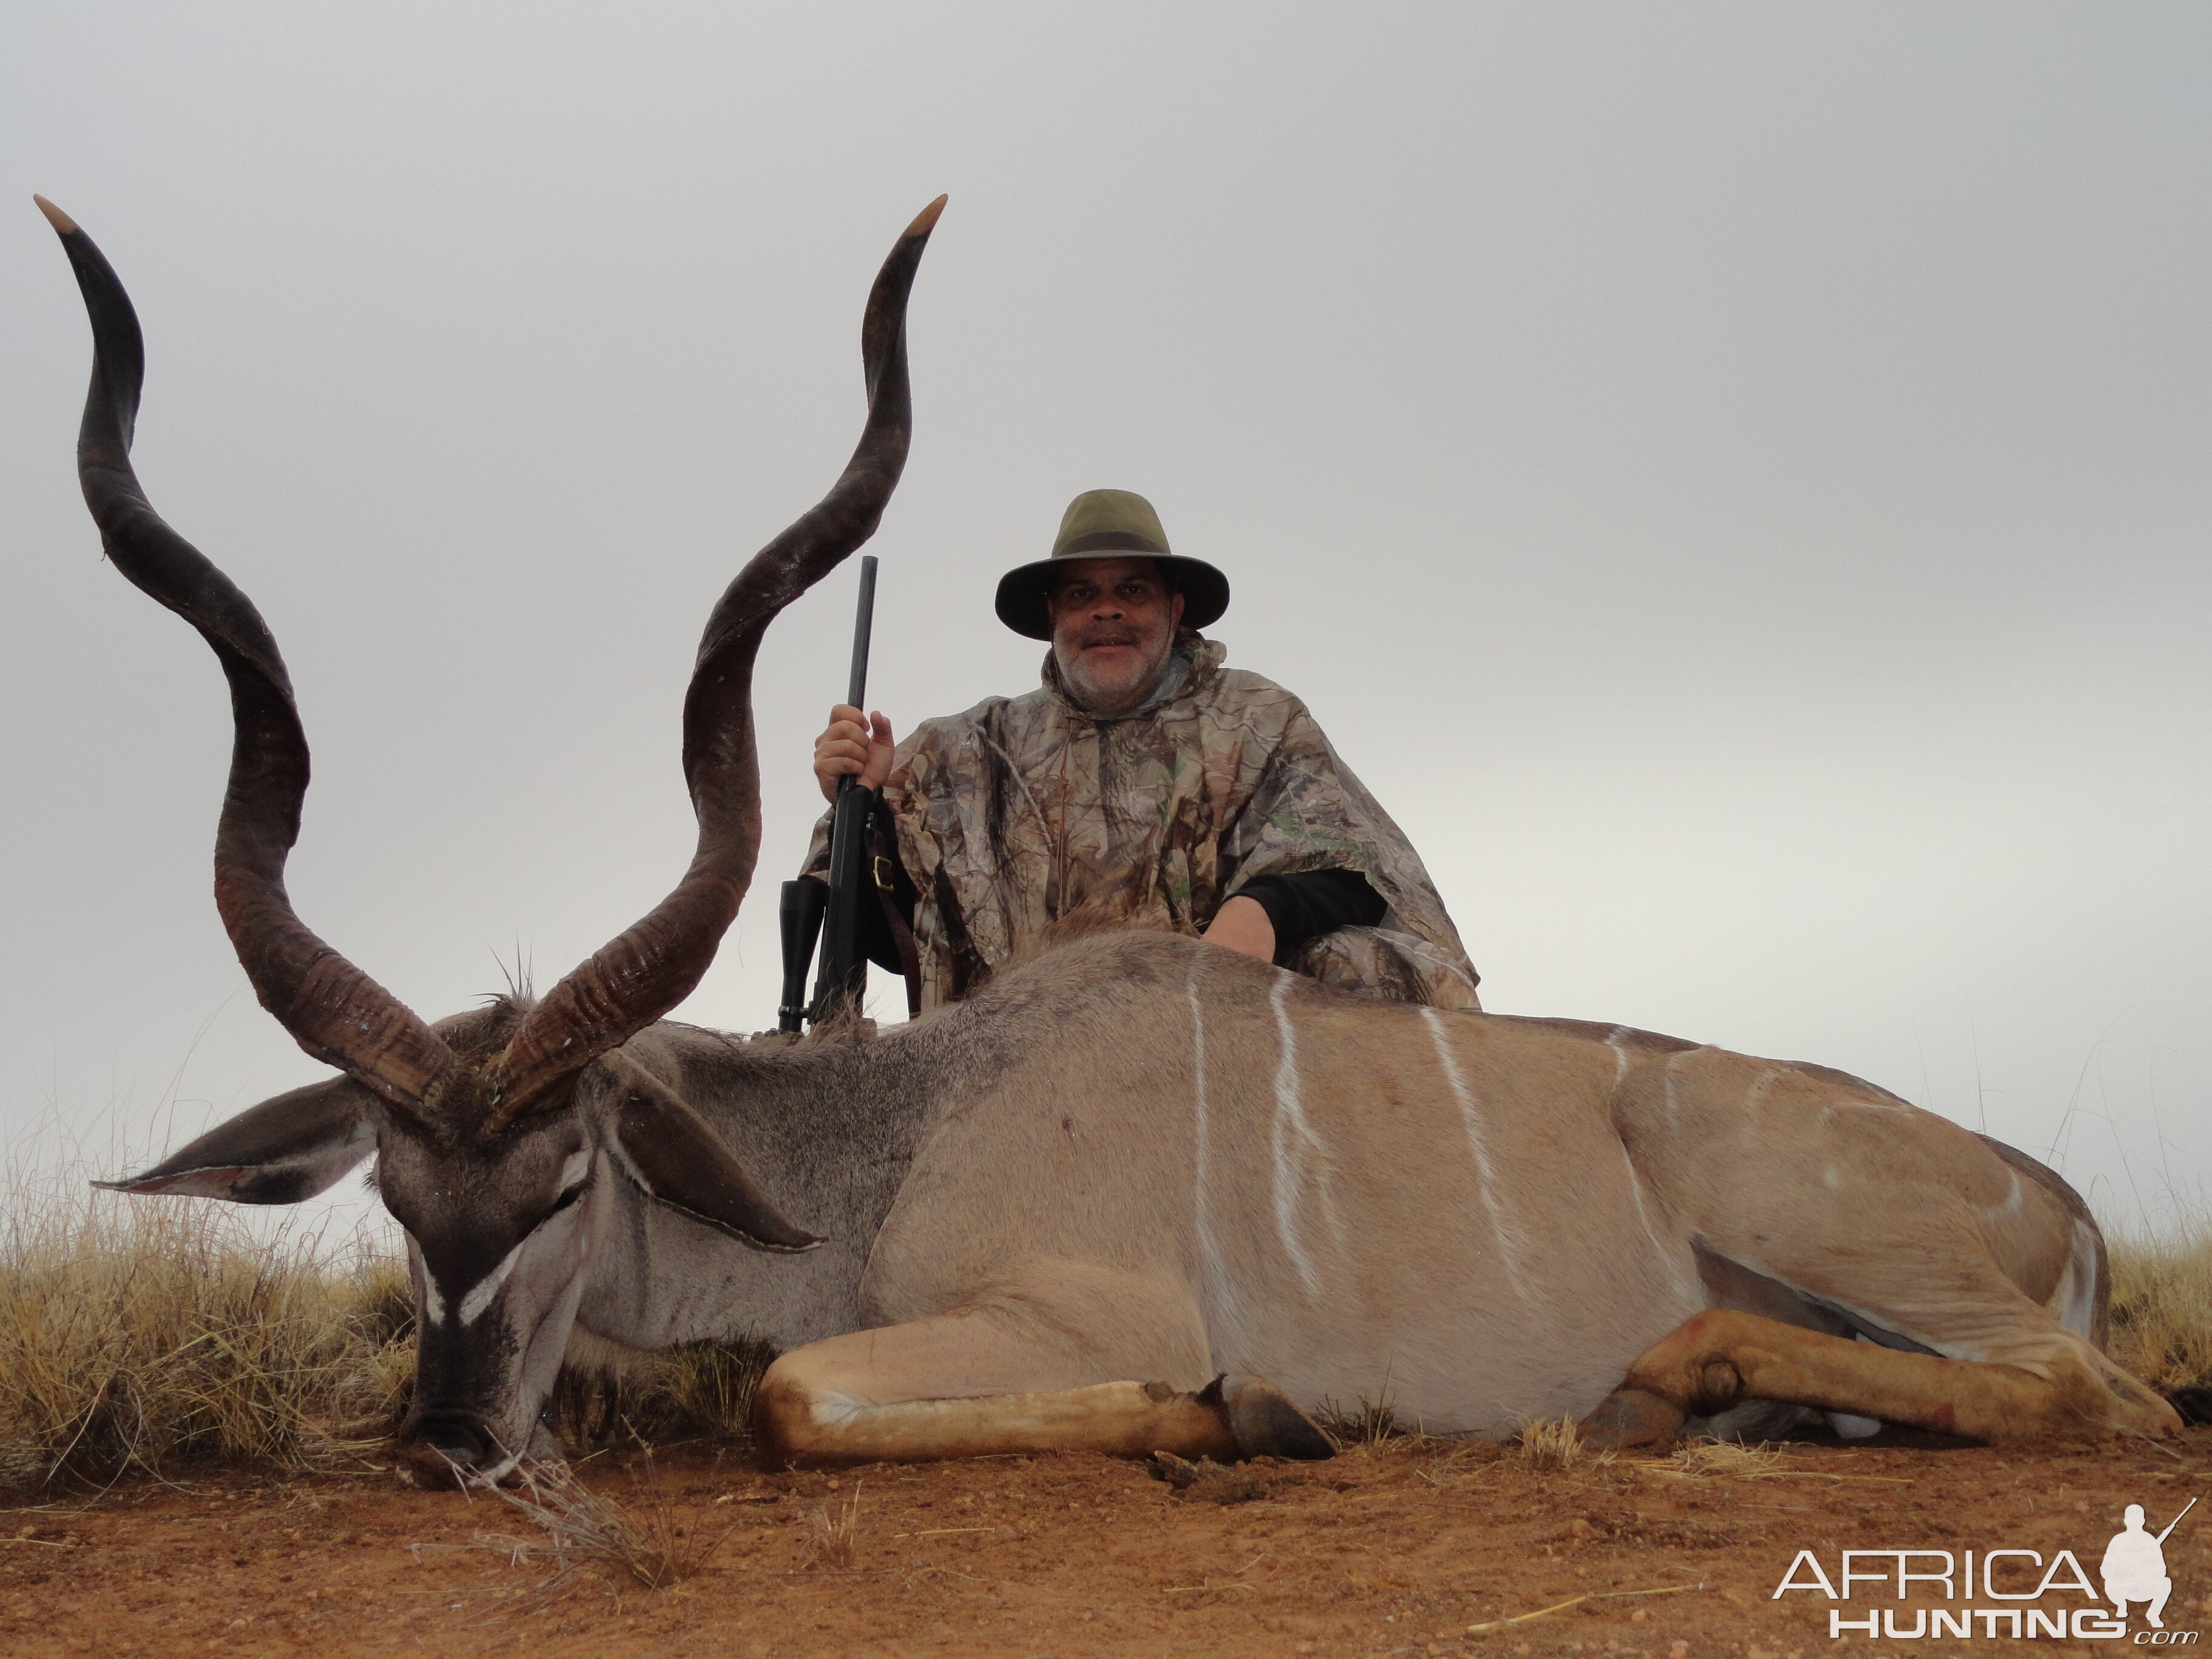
(864, 622)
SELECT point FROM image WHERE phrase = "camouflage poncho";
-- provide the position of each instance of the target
(1025, 810)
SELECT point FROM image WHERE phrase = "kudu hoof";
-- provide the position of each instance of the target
(1262, 1420)
(1629, 1419)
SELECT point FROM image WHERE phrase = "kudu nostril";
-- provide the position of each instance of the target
(461, 1441)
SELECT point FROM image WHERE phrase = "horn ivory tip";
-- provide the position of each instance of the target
(924, 222)
(68, 227)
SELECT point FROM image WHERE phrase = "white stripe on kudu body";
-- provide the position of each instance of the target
(1509, 1242)
(1673, 1099)
(1221, 1291)
(1615, 1041)
(1292, 1141)
(1612, 1041)
(1643, 1214)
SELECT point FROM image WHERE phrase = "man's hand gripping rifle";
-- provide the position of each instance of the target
(836, 911)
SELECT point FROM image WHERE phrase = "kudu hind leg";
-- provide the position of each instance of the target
(1720, 1357)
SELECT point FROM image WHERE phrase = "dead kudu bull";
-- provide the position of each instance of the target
(1095, 1204)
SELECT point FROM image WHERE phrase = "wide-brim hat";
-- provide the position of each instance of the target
(1097, 525)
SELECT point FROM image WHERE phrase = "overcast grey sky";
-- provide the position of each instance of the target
(1730, 478)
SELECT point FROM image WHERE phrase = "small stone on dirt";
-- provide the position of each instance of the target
(1213, 1482)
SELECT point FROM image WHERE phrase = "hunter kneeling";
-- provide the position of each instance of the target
(1143, 784)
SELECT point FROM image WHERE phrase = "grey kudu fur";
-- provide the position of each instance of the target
(1138, 1193)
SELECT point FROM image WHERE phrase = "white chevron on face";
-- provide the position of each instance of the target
(479, 1295)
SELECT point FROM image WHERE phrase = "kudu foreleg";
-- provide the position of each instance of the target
(1020, 1371)
(807, 1417)
(858, 1398)
(1721, 1358)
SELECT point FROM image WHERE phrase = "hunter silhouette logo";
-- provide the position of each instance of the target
(2133, 1570)
(2134, 1567)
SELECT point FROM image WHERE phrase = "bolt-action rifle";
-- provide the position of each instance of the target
(834, 912)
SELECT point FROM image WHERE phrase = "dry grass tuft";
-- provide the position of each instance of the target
(137, 1334)
(1726, 1460)
(581, 1528)
(833, 1538)
(1446, 1460)
(698, 1391)
(1551, 1445)
(145, 1335)
(705, 1389)
(1369, 1423)
(2162, 1306)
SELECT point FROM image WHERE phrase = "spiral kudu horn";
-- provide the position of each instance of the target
(335, 1012)
(646, 971)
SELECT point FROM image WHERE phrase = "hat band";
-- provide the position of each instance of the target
(1113, 541)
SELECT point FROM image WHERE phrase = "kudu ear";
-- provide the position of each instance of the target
(278, 1153)
(668, 1150)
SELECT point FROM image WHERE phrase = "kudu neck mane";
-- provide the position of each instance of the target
(847, 1091)
(827, 1085)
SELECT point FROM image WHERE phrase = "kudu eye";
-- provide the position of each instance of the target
(575, 1176)
(566, 1199)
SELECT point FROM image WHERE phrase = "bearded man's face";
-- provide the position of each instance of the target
(1113, 627)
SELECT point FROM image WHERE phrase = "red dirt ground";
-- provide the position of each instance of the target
(1390, 1549)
